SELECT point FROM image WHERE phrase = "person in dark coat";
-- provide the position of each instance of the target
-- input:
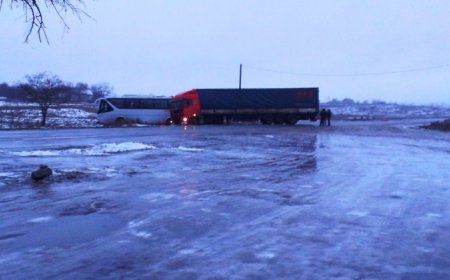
(328, 115)
(323, 117)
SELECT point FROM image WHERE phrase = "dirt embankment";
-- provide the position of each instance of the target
(442, 125)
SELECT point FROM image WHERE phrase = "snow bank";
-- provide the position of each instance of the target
(96, 150)
(182, 148)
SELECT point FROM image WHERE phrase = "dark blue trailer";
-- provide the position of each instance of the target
(266, 105)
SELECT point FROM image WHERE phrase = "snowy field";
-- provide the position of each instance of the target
(15, 115)
(357, 200)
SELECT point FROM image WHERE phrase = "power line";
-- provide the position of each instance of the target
(352, 74)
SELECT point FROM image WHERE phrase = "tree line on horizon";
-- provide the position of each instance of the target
(47, 90)
(62, 91)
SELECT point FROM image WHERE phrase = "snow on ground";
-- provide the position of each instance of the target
(94, 150)
(16, 104)
(71, 117)
(361, 111)
(27, 115)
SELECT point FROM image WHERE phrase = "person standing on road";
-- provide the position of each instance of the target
(328, 117)
(323, 116)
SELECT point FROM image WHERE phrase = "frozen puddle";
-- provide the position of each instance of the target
(187, 149)
(157, 196)
(133, 225)
(141, 234)
(69, 230)
(41, 219)
(266, 255)
(434, 215)
(357, 213)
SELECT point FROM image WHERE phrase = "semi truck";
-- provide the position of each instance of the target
(264, 105)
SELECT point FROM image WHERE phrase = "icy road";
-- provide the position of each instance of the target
(352, 201)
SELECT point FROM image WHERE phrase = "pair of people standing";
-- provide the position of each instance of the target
(325, 117)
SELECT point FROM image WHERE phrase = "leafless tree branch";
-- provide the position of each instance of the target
(34, 13)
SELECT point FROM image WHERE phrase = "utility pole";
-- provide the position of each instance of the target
(240, 75)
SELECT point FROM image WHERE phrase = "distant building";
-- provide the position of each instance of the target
(86, 95)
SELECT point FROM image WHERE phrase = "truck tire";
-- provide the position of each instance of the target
(208, 120)
(194, 121)
(291, 120)
(279, 120)
(267, 119)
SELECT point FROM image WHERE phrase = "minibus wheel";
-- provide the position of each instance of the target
(120, 121)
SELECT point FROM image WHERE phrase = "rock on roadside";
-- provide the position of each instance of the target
(43, 172)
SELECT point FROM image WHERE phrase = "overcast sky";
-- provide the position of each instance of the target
(387, 50)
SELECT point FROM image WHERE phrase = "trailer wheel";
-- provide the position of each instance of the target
(208, 120)
(218, 119)
(291, 120)
(279, 120)
(266, 120)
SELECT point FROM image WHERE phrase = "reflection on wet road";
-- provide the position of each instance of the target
(238, 202)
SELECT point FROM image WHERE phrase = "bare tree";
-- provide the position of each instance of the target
(34, 11)
(80, 90)
(43, 89)
(101, 90)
